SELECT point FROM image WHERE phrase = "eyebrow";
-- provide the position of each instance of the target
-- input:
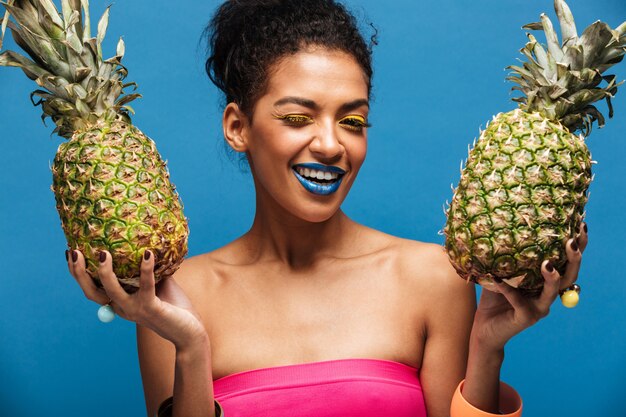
(305, 102)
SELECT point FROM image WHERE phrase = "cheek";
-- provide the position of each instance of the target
(277, 146)
(358, 152)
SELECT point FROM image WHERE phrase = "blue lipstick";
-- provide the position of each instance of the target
(316, 187)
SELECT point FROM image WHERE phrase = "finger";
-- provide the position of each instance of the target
(583, 237)
(146, 279)
(70, 265)
(76, 260)
(552, 281)
(72, 259)
(109, 280)
(513, 296)
(574, 257)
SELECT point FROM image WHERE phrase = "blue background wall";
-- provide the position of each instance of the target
(439, 77)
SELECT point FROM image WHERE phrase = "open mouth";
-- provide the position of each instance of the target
(319, 179)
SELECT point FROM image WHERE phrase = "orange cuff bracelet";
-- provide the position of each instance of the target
(510, 404)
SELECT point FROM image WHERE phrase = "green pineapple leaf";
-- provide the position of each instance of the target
(86, 20)
(562, 81)
(102, 30)
(566, 21)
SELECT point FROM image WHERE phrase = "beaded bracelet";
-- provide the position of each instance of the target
(165, 409)
(510, 404)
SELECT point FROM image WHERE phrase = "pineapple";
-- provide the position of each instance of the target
(524, 185)
(111, 186)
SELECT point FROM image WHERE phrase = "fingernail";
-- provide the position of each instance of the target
(574, 245)
(67, 256)
(146, 255)
(549, 267)
(74, 256)
(585, 227)
(103, 256)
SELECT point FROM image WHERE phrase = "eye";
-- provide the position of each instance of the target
(354, 122)
(295, 119)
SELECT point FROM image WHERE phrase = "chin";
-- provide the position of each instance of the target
(317, 216)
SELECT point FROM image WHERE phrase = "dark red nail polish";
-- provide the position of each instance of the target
(146, 255)
(549, 267)
(67, 256)
(585, 227)
(74, 256)
(575, 245)
(103, 256)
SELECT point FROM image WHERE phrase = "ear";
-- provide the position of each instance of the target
(235, 123)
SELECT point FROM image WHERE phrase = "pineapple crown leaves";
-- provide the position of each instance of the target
(563, 81)
(78, 87)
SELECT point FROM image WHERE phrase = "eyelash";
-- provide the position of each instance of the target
(353, 123)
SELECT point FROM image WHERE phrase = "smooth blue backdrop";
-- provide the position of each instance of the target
(439, 77)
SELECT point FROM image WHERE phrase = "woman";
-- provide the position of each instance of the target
(309, 312)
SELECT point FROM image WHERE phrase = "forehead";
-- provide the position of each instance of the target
(318, 73)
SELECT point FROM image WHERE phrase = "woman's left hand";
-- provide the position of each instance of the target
(500, 316)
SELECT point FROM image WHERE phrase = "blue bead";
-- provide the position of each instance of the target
(106, 314)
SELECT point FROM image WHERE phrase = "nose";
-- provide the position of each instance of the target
(326, 144)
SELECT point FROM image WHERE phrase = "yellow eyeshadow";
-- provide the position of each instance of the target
(354, 122)
(294, 118)
(355, 117)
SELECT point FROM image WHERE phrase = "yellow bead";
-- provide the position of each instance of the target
(569, 298)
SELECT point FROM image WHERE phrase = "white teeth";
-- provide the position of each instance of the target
(317, 174)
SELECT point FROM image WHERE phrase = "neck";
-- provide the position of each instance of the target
(278, 236)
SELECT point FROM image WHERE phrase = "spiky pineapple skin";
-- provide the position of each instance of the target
(521, 196)
(113, 192)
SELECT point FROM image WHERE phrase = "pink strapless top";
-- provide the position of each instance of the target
(335, 388)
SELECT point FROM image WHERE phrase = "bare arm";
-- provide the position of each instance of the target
(174, 349)
(445, 353)
(500, 316)
(184, 373)
(450, 305)
(463, 342)
(193, 382)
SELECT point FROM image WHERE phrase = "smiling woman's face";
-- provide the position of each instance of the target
(308, 136)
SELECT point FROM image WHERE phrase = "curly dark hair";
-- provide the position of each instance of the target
(246, 37)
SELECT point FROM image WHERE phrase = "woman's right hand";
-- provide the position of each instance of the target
(167, 311)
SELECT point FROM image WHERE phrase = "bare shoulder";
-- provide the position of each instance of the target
(426, 266)
(423, 268)
(195, 271)
(201, 277)
(445, 306)
(417, 260)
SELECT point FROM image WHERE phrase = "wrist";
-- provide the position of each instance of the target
(482, 377)
(198, 345)
(485, 356)
(486, 345)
